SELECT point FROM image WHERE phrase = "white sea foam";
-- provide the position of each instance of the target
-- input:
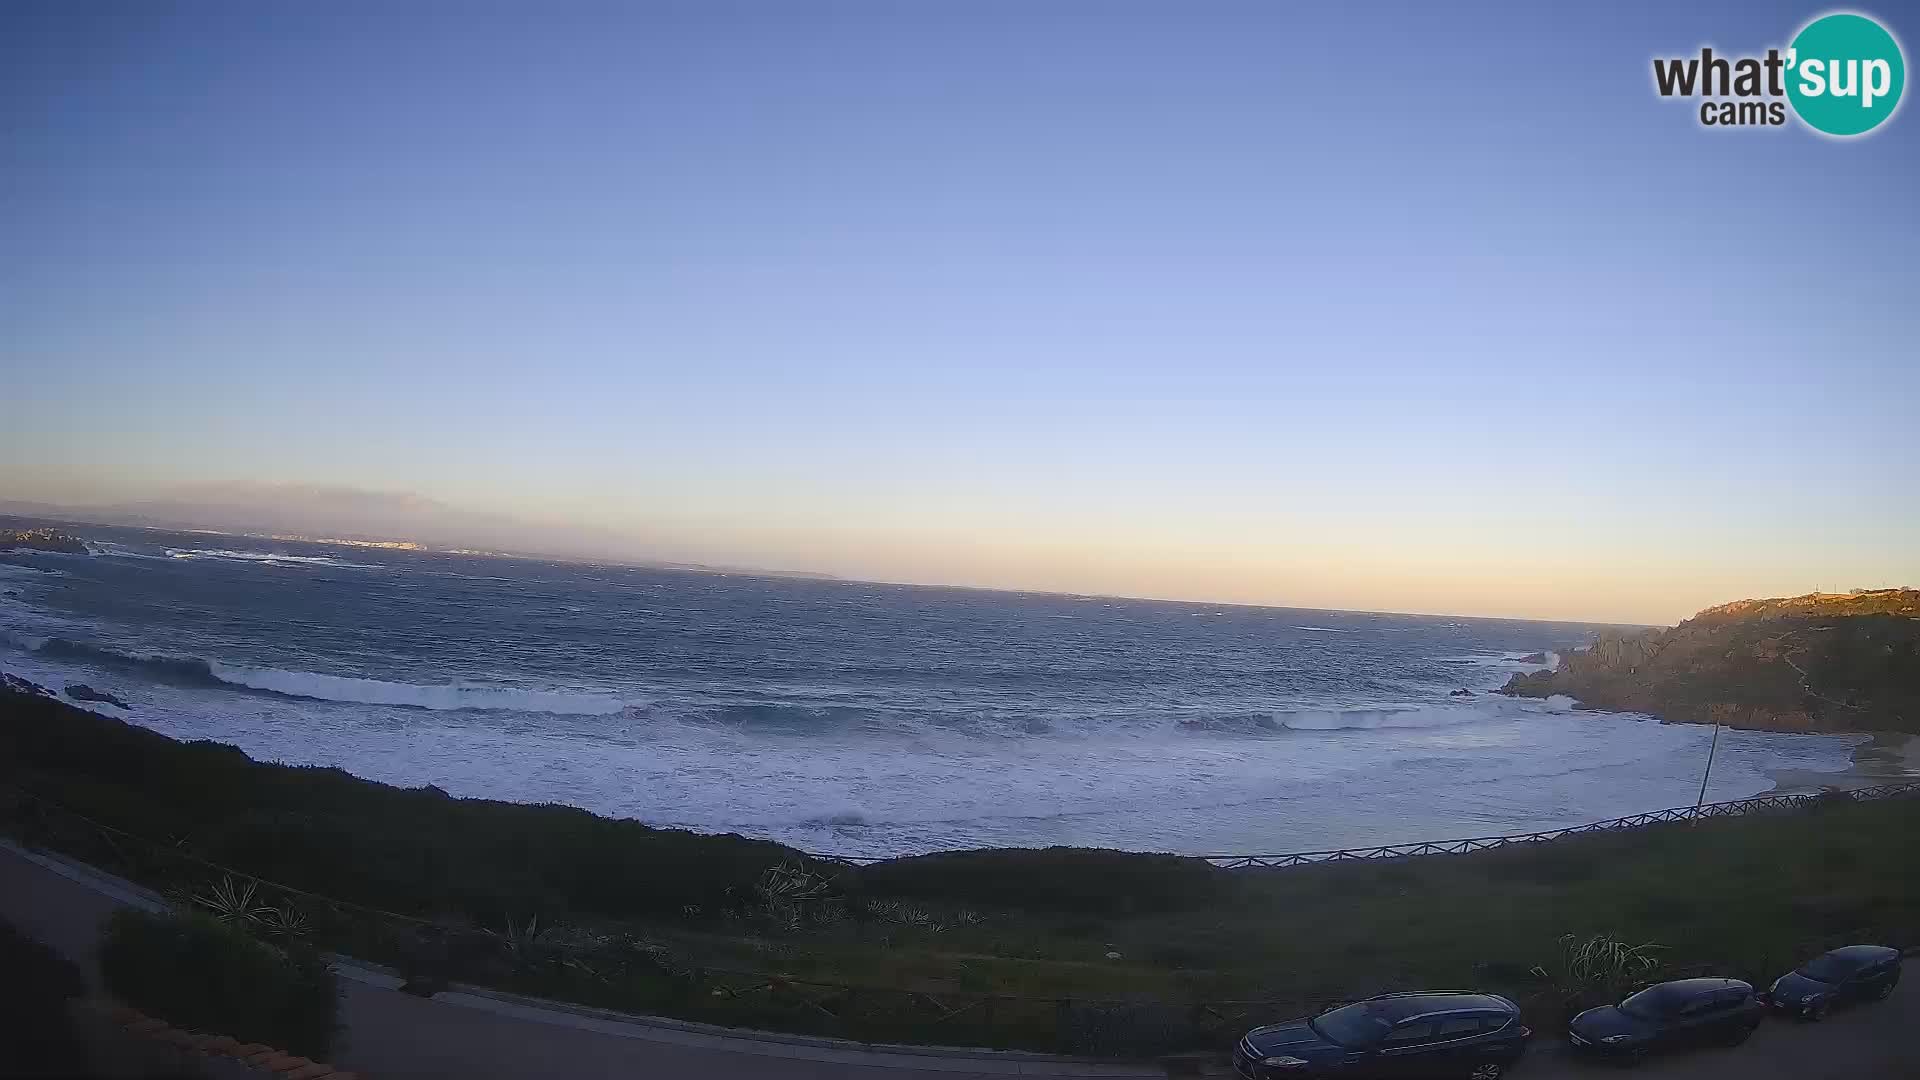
(271, 558)
(1369, 719)
(1520, 766)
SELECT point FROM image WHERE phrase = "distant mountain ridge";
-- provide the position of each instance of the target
(1821, 662)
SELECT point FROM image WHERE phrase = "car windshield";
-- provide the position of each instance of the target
(1653, 1003)
(1351, 1025)
(1827, 969)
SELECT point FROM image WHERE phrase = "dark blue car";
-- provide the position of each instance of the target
(1448, 1034)
(1669, 1016)
(1850, 973)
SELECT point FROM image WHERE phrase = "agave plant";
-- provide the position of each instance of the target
(230, 902)
(284, 923)
(522, 940)
(1601, 964)
(791, 895)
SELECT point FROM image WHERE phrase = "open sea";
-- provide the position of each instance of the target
(851, 717)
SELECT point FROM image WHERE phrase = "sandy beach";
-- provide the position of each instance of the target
(1886, 757)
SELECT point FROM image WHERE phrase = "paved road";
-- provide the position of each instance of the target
(1879, 1041)
(392, 1035)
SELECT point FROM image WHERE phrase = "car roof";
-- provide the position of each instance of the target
(1398, 1007)
(1682, 989)
(1861, 954)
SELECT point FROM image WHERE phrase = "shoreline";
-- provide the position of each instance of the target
(1886, 757)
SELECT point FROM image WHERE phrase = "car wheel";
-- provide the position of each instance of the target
(1488, 1070)
(1740, 1034)
(1885, 991)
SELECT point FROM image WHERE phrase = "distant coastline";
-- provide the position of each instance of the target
(48, 523)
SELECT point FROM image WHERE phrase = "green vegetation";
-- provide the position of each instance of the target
(200, 973)
(1088, 951)
(1825, 662)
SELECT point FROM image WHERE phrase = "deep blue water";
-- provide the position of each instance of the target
(850, 716)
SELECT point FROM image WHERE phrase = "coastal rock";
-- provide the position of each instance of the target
(1461, 693)
(42, 540)
(83, 692)
(1823, 662)
(1533, 658)
(14, 684)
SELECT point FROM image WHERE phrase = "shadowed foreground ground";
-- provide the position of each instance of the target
(390, 1034)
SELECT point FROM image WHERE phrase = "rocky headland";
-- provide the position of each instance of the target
(1820, 663)
(42, 540)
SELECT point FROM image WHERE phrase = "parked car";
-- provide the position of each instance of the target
(1453, 1034)
(1670, 1015)
(1850, 973)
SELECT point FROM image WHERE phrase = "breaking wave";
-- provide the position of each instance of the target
(269, 558)
(195, 671)
(1371, 718)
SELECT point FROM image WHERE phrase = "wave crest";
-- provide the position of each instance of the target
(268, 558)
(198, 672)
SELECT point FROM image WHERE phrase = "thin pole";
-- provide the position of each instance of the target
(1711, 747)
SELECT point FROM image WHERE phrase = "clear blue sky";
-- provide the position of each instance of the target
(1421, 307)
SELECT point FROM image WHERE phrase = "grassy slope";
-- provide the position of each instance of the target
(1747, 894)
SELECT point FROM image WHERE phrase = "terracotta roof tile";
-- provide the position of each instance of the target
(220, 1044)
(258, 1055)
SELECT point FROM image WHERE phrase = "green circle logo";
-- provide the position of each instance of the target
(1845, 74)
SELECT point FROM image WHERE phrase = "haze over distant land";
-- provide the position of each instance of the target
(357, 515)
(353, 515)
(1152, 302)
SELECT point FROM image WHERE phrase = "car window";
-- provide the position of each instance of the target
(1730, 999)
(1352, 1026)
(1654, 1003)
(1826, 968)
(1459, 1027)
(1698, 1007)
(1410, 1033)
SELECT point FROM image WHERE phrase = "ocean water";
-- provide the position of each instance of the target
(851, 717)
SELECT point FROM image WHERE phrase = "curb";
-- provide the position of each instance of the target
(255, 1056)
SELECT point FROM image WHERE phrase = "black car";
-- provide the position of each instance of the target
(1435, 1033)
(1851, 973)
(1670, 1015)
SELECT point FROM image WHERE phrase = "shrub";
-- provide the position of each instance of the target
(1055, 879)
(35, 985)
(1598, 970)
(201, 974)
